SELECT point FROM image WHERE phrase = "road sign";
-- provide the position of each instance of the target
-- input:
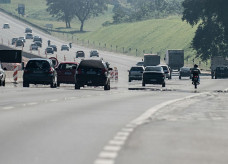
(5, 1)
(11, 56)
(54, 61)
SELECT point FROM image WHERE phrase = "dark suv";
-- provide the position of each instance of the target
(40, 71)
(92, 73)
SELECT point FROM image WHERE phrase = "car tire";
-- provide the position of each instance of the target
(143, 84)
(58, 84)
(163, 85)
(25, 84)
(179, 77)
(107, 86)
(0, 83)
(76, 86)
(129, 80)
(4, 83)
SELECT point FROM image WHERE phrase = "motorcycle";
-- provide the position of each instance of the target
(195, 81)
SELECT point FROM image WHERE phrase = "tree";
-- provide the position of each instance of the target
(62, 9)
(84, 9)
(211, 37)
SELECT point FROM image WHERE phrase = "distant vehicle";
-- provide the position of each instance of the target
(37, 38)
(2, 76)
(54, 47)
(140, 63)
(28, 36)
(66, 73)
(14, 40)
(135, 73)
(151, 60)
(6, 26)
(80, 54)
(153, 75)
(65, 47)
(92, 73)
(38, 43)
(94, 53)
(175, 59)
(49, 50)
(167, 71)
(40, 71)
(28, 30)
(33, 47)
(19, 43)
(217, 61)
(185, 72)
(22, 38)
(221, 72)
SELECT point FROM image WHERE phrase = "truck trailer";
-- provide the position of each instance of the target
(175, 59)
(151, 60)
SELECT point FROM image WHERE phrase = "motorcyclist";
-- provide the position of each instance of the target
(195, 72)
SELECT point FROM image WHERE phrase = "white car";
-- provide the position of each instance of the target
(6, 25)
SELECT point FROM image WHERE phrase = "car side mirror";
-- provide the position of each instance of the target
(110, 69)
(56, 69)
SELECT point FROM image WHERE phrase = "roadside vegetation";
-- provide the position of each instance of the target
(151, 33)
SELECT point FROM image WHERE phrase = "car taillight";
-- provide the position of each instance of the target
(50, 71)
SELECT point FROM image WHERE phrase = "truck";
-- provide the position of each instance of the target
(175, 59)
(151, 60)
(217, 61)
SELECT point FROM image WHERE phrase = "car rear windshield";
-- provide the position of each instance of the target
(91, 64)
(154, 69)
(67, 66)
(38, 64)
(185, 69)
(136, 69)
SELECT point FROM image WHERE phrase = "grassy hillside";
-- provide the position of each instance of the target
(35, 12)
(154, 36)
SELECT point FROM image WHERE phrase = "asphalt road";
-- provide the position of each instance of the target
(128, 124)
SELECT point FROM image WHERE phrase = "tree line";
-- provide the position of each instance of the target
(67, 10)
(211, 36)
(137, 10)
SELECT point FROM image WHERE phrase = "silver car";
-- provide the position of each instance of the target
(135, 73)
(2, 76)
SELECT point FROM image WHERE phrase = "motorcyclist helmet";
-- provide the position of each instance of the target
(195, 66)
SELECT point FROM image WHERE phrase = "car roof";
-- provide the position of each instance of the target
(40, 59)
(68, 62)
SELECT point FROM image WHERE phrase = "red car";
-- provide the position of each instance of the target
(66, 73)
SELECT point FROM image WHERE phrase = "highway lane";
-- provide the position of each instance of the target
(44, 125)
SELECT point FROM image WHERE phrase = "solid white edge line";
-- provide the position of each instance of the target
(135, 123)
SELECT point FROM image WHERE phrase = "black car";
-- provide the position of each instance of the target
(19, 43)
(94, 53)
(80, 54)
(37, 38)
(49, 50)
(54, 47)
(153, 75)
(221, 72)
(38, 43)
(14, 40)
(92, 73)
(28, 30)
(185, 72)
(2, 76)
(40, 71)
